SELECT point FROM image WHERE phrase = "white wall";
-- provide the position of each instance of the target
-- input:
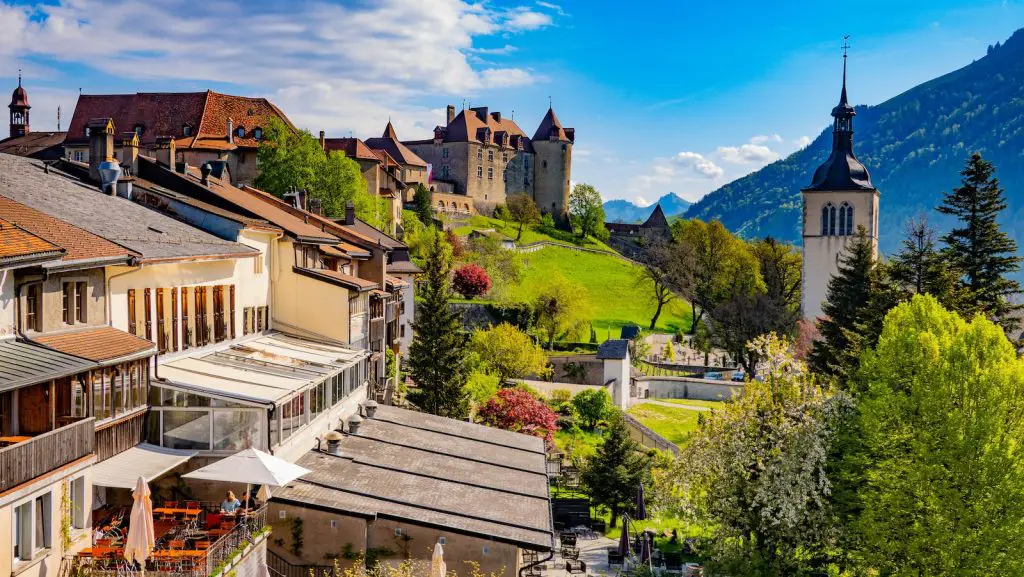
(6, 303)
(618, 370)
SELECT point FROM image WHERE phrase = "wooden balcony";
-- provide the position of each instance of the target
(376, 334)
(120, 435)
(43, 453)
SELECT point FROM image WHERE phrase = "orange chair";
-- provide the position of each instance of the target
(170, 504)
(176, 544)
(202, 545)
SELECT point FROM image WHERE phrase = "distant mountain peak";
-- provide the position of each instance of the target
(630, 212)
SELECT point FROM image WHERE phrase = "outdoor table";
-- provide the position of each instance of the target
(13, 440)
(176, 511)
(178, 553)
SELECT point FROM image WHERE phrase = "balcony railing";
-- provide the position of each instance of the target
(120, 435)
(376, 333)
(41, 454)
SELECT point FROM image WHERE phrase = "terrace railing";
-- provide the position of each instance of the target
(43, 453)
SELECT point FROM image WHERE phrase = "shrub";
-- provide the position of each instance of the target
(515, 409)
(458, 245)
(593, 405)
(471, 280)
(559, 396)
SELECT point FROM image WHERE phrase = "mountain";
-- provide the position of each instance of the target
(914, 146)
(624, 211)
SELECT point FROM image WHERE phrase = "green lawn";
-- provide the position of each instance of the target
(610, 284)
(676, 425)
(693, 403)
(530, 234)
(583, 445)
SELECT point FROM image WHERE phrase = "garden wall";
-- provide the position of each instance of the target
(688, 388)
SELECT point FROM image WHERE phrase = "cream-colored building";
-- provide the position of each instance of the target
(839, 200)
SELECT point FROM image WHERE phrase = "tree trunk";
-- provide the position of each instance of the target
(615, 518)
(694, 318)
(706, 355)
(657, 313)
(520, 235)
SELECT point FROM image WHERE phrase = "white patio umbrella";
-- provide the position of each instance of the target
(437, 566)
(140, 541)
(252, 467)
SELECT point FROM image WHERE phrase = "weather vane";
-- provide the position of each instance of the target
(846, 44)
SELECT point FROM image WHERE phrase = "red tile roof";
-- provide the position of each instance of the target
(389, 142)
(77, 243)
(16, 241)
(97, 344)
(352, 147)
(467, 125)
(168, 113)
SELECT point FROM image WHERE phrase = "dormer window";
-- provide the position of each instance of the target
(186, 130)
(139, 129)
(240, 132)
(86, 131)
(257, 133)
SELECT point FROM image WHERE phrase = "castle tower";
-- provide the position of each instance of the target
(19, 110)
(839, 199)
(552, 168)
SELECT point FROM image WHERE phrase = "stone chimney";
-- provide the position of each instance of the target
(165, 151)
(130, 153)
(370, 408)
(205, 171)
(101, 144)
(333, 442)
(451, 114)
(231, 130)
(496, 116)
(323, 140)
(350, 213)
(297, 198)
(316, 206)
(354, 422)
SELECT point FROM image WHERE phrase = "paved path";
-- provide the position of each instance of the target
(593, 552)
(673, 405)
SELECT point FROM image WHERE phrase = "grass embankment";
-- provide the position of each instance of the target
(531, 234)
(675, 424)
(582, 445)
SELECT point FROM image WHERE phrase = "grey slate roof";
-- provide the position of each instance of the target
(23, 364)
(153, 235)
(433, 471)
(613, 349)
(629, 332)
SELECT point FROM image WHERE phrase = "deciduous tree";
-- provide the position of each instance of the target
(515, 409)
(658, 276)
(941, 422)
(586, 210)
(471, 280)
(593, 405)
(522, 210)
(509, 353)
(562, 308)
(978, 248)
(710, 258)
(437, 356)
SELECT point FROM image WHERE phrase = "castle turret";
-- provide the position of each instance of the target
(552, 170)
(19, 111)
(839, 199)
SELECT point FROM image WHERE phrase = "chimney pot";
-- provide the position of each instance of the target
(231, 130)
(451, 114)
(370, 408)
(350, 213)
(166, 151)
(101, 145)
(205, 170)
(354, 422)
(333, 442)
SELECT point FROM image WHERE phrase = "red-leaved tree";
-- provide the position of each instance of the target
(517, 410)
(471, 280)
(458, 245)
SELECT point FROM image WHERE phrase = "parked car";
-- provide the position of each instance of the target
(714, 376)
(738, 377)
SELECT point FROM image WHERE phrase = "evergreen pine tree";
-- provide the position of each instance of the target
(858, 297)
(422, 205)
(978, 248)
(437, 356)
(919, 267)
(614, 474)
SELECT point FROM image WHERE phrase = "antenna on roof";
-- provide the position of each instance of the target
(549, 102)
(58, 118)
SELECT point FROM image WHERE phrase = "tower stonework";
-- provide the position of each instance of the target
(839, 199)
(552, 145)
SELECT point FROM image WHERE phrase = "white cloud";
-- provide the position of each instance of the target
(550, 6)
(502, 51)
(526, 19)
(747, 154)
(763, 138)
(802, 142)
(641, 202)
(698, 165)
(333, 67)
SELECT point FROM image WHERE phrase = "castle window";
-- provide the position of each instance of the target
(490, 174)
(828, 220)
(257, 133)
(444, 152)
(504, 157)
(444, 170)
(544, 164)
(186, 130)
(479, 154)
(490, 156)
(845, 219)
(479, 172)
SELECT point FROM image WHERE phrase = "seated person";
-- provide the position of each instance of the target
(248, 501)
(230, 503)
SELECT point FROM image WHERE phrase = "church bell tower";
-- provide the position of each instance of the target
(839, 199)
(19, 110)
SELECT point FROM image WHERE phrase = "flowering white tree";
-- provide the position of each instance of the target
(756, 470)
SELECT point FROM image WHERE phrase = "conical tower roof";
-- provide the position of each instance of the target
(550, 126)
(657, 219)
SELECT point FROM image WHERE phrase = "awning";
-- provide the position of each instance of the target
(23, 364)
(147, 461)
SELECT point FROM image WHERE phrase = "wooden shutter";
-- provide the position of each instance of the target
(174, 319)
(66, 303)
(81, 288)
(131, 313)
(186, 334)
(231, 309)
(161, 335)
(147, 300)
(218, 313)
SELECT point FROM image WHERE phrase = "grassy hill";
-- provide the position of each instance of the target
(609, 280)
(675, 424)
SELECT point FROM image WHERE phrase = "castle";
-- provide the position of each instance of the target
(839, 199)
(485, 156)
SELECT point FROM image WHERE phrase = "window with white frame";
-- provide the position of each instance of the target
(31, 527)
(76, 496)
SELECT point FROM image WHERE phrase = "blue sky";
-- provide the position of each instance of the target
(665, 96)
